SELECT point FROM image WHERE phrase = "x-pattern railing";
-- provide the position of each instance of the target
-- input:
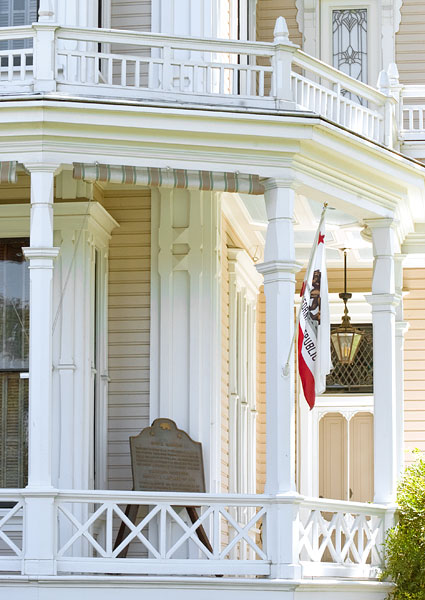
(89, 525)
(342, 534)
(14, 513)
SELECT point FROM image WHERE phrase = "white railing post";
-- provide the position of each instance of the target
(383, 301)
(395, 91)
(39, 510)
(45, 57)
(279, 270)
(282, 66)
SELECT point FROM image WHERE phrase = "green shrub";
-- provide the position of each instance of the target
(405, 543)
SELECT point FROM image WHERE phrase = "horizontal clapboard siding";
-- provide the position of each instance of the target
(414, 361)
(267, 13)
(410, 46)
(129, 328)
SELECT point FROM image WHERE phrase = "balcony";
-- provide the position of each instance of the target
(205, 73)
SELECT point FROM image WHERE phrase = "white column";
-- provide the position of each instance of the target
(279, 268)
(39, 519)
(384, 301)
(401, 327)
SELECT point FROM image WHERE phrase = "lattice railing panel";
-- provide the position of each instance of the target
(342, 538)
(11, 529)
(162, 532)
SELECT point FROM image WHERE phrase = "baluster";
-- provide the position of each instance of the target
(248, 81)
(235, 90)
(123, 72)
(137, 64)
(181, 76)
(83, 71)
(23, 65)
(421, 118)
(208, 83)
(150, 75)
(221, 80)
(360, 539)
(338, 536)
(163, 532)
(315, 536)
(109, 524)
(410, 119)
(110, 76)
(10, 58)
(97, 68)
(195, 84)
(261, 83)
(216, 541)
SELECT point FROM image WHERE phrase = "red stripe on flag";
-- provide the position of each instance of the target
(306, 375)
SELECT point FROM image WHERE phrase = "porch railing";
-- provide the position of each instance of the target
(331, 538)
(156, 67)
(412, 126)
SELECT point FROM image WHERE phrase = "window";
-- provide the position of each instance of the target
(14, 328)
(358, 377)
(243, 289)
(350, 39)
(349, 42)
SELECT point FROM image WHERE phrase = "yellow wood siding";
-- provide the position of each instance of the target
(267, 13)
(414, 361)
(410, 46)
(129, 327)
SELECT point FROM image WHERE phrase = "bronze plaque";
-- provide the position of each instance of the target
(166, 459)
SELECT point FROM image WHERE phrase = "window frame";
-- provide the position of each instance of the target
(374, 50)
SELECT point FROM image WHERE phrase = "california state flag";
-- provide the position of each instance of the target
(314, 351)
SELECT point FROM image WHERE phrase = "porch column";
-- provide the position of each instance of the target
(401, 328)
(279, 268)
(39, 521)
(384, 301)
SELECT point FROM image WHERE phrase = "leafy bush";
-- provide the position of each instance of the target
(405, 543)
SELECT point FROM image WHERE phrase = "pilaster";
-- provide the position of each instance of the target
(401, 328)
(185, 320)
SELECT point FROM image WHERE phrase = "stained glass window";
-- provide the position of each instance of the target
(349, 42)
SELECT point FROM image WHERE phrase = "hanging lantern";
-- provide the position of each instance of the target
(346, 339)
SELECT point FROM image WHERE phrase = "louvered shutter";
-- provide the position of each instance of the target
(14, 13)
(14, 329)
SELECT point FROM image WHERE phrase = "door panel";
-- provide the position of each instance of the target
(333, 457)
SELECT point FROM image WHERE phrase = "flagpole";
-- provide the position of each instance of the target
(285, 369)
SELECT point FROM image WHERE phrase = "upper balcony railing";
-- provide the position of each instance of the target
(208, 72)
(160, 68)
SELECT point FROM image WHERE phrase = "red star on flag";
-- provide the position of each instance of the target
(321, 239)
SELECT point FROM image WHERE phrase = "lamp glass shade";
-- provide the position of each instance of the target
(346, 343)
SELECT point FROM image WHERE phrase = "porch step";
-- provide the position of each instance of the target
(194, 588)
